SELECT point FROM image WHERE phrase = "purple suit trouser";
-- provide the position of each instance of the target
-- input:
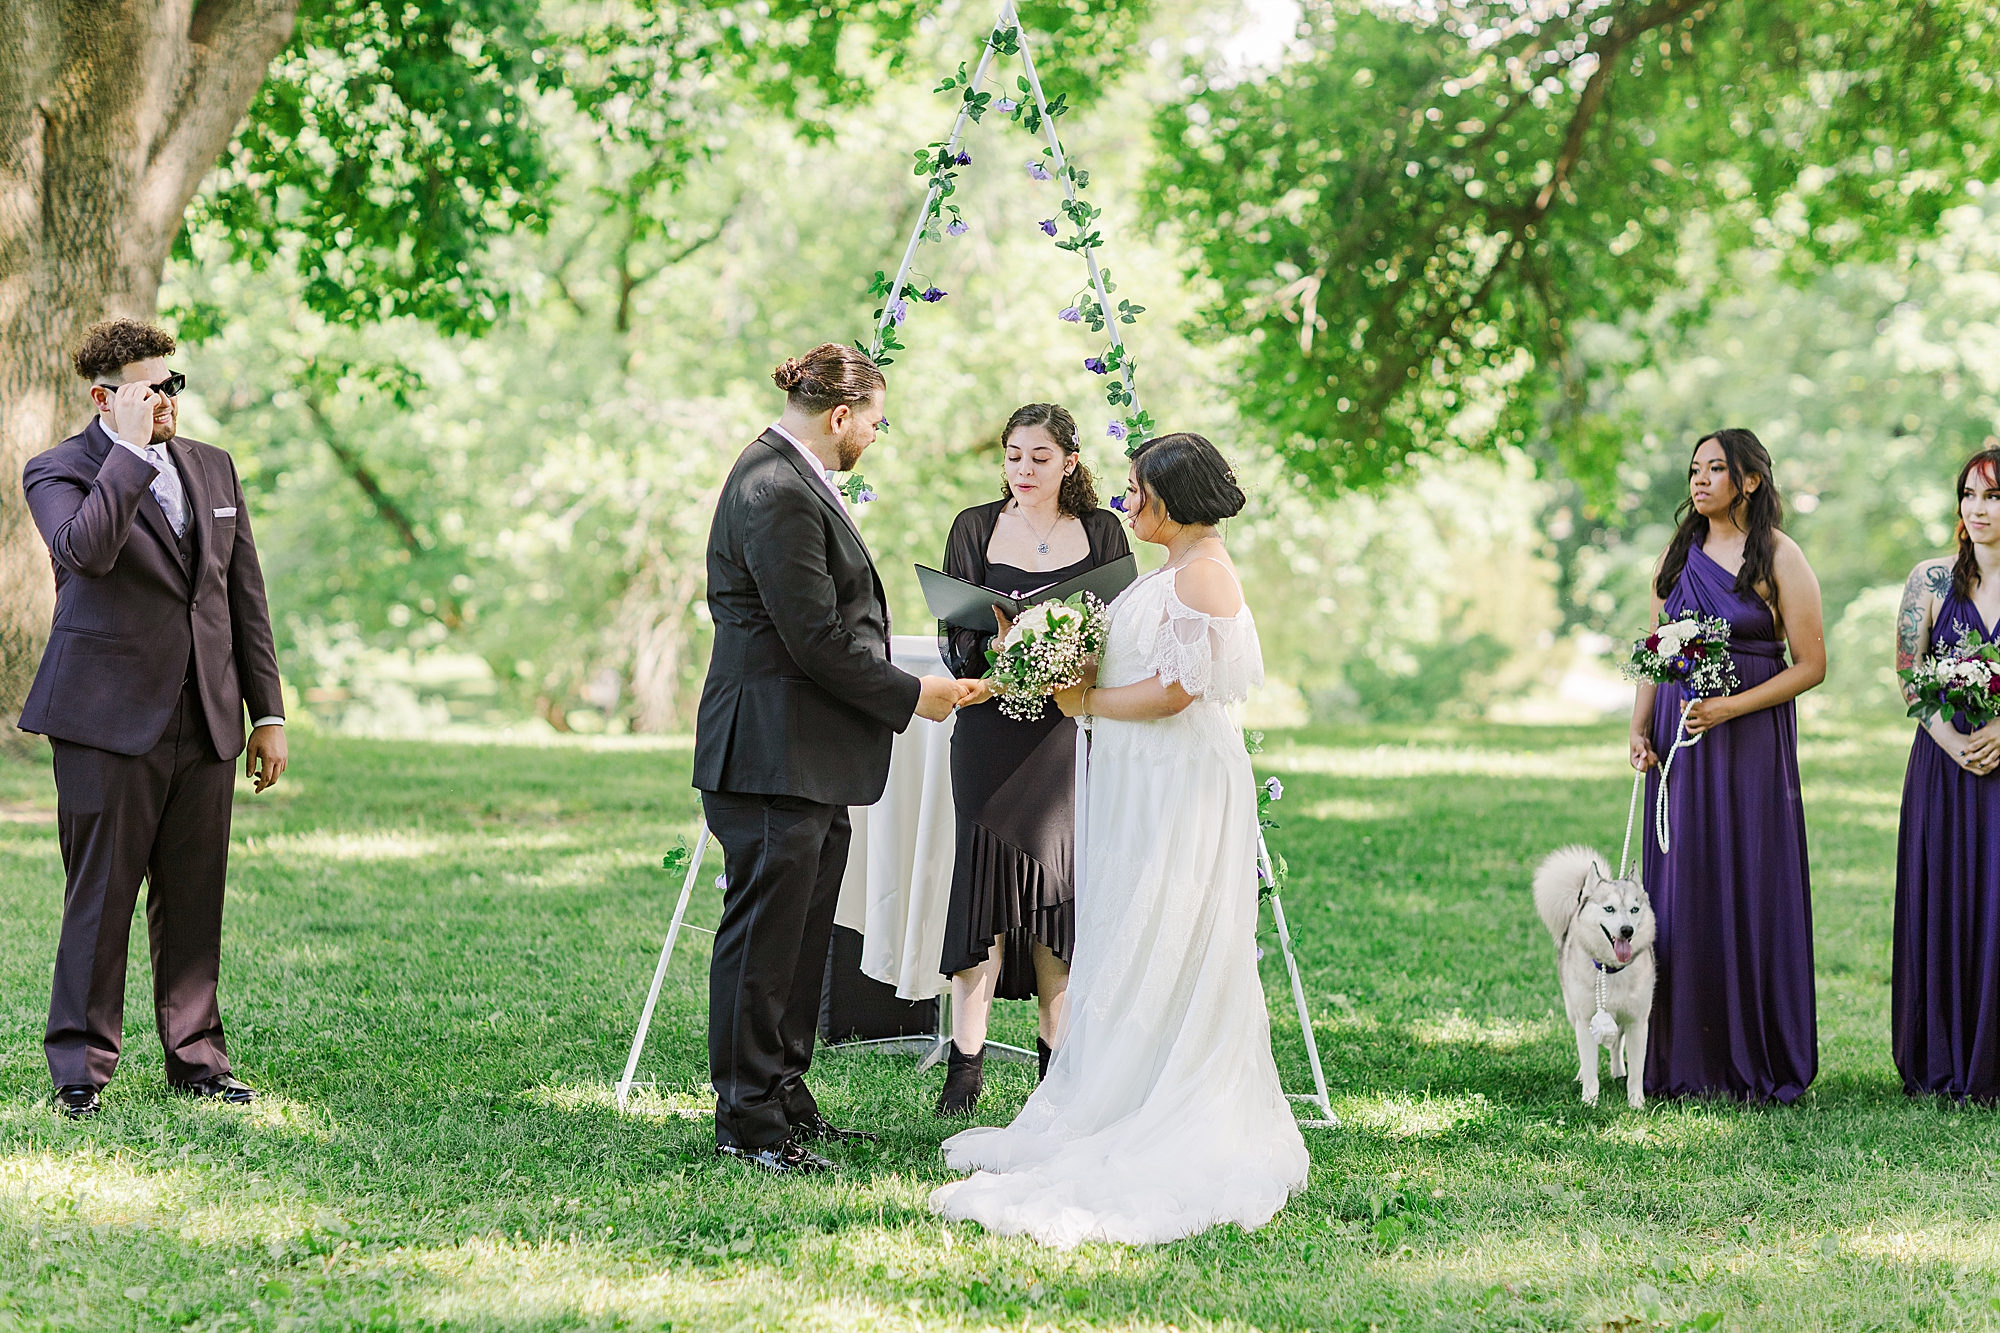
(162, 816)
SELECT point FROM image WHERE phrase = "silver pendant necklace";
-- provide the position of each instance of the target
(1042, 536)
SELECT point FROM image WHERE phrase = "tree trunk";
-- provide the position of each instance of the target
(652, 626)
(110, 115)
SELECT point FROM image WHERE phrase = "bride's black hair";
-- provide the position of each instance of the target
(1190, 477)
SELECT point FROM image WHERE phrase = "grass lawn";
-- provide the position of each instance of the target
(434, 957)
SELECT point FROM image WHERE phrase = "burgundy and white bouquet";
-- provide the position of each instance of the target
(1963, 677)
(1692, 651)
(1046, 650)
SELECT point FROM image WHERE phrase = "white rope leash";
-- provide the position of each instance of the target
(1660, 832)
(1631, 815)
(1681, 739)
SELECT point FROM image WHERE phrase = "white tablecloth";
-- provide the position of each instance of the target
(898, 883)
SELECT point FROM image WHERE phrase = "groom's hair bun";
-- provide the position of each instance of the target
(828, 376)
(1190, 477)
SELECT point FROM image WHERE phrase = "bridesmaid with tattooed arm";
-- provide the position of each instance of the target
(1945, 996)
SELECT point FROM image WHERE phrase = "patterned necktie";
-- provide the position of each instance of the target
(167, 489)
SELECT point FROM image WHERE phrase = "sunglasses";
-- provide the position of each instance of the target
(171, 386)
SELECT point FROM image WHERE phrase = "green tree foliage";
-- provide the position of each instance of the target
(1408, 222)
(386, 145)
(392, 142)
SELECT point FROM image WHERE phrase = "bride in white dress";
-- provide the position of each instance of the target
(1161, 1114)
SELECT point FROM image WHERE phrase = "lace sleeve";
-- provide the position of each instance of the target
(1216, 658)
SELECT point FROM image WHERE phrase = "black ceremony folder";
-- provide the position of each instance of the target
(969, 606)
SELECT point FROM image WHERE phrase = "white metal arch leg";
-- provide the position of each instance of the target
(660, 972)
(1327, 1119)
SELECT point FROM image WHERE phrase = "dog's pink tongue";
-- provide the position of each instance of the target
(1623, 948)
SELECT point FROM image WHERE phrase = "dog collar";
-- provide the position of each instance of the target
(1609, 971)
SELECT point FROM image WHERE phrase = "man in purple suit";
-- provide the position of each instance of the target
(161, 638)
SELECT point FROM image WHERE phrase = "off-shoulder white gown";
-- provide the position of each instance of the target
(1162, 1114)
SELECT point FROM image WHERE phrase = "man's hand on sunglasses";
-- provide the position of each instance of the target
(132, 412)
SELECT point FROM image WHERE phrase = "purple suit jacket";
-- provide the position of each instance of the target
(128, 615)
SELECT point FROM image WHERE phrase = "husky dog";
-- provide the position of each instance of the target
(1603, 929)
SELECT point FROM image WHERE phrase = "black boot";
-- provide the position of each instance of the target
(964, 1076)
(1042, 1050)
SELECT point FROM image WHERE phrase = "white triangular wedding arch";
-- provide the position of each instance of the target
(942, 158)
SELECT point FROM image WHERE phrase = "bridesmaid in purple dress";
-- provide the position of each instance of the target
(1945, 1000)
(1733, 1013)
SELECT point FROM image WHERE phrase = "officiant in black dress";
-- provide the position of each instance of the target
(1012, 921)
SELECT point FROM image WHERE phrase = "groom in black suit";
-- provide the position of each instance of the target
(795, 726)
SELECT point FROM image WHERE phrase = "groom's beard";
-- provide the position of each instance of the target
(848, 450)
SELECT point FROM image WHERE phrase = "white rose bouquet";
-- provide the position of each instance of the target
(1692, 651)
(1963, 677)
(1046, 650)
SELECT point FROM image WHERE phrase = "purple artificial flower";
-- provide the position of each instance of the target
(1118, 503)
(866, 495)
(1116, 430)
(1274, 788)
(1036, 171)
(1095, 365)
(1070, 313)
(1005, 105)
(932, 294)
(956, 227)
(899, 310)
(964, 159)
(1049, 226)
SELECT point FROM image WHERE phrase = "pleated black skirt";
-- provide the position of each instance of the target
(1014, 787)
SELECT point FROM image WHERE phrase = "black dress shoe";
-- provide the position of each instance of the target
(964, 1077)
(77, 1100)
(218, 1085)
(786, 1157)
(817, 1128)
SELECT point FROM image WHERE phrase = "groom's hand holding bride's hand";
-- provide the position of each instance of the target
(939, 695)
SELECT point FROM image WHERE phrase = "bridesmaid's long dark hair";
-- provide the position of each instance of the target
(1760, 513)
(1965, 570)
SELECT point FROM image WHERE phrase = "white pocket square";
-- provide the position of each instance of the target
(228, 511)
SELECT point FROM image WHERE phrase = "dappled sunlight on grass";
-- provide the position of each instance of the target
(371, 845)
(392, 844)
(1423, 761)
(1491, 1031)
(314, 955)
(1873, 798)
(691, 1102)
(1346, 1018)
(1407, 1117)
(1353, 811)
(576, 871)
(82, 1184)
(437, 953)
